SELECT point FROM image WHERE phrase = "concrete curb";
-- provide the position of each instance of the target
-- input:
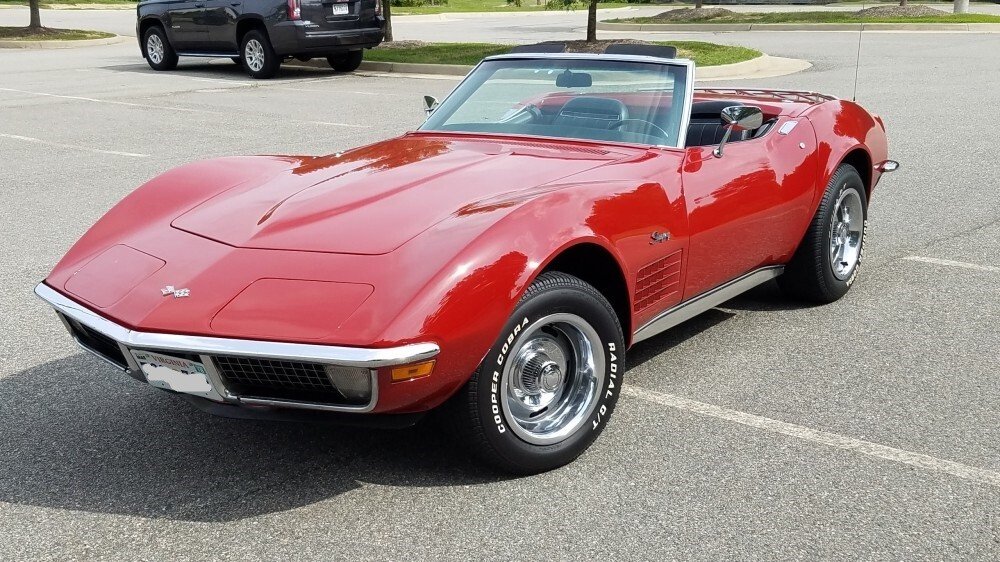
(451, 16)
(417, 68)
(760, 67)
(58, 44)
(979, 27)
(764, 66)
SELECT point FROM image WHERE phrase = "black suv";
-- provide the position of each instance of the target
(259, 34)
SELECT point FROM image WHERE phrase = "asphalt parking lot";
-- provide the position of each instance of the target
(760, 430)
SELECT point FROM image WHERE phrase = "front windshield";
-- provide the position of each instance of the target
(589, 99)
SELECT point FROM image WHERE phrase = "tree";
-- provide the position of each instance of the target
(961, 6)
(387, 14)
(698, 4)
(592, 22)
(903, 3)
(35, 24)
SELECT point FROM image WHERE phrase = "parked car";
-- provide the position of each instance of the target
(259, 34)
(494, 265)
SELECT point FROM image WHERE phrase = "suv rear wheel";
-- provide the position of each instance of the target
(258, 56)
(157, 50)
(347, 62)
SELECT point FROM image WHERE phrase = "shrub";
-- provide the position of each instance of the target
(416, 3)
(560, 4)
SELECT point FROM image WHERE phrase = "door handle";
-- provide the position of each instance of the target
(201, 5)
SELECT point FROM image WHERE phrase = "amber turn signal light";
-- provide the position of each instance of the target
(409, 372)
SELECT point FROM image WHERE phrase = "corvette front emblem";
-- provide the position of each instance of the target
(177, 293)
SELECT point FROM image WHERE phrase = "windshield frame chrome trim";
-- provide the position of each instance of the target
(688, 94)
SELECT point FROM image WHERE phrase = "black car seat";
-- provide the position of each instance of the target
(706, 126)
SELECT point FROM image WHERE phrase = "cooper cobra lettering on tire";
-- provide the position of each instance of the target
(612, 388)
(494, 387)
(551, 378)
(861, 254)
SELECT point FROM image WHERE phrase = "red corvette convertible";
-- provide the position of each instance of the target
(496, 264)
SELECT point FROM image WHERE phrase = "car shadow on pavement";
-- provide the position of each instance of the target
(78, 435)
(660, 343)
(225, 69)
(765, 297)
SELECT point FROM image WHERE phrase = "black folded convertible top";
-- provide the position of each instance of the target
(660, 51)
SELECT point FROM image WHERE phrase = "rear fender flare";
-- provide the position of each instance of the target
(843, 127)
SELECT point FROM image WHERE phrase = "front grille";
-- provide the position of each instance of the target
(271, 378)
(98, 343)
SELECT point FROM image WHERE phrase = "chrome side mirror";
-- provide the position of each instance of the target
(739, 118)
(430, 104)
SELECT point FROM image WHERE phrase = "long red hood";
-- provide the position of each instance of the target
(373, 199)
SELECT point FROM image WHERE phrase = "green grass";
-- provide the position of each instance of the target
(488, 6)
(820, 17)
(438, 53)
(50, 34)
(703, 54)
(711, 54)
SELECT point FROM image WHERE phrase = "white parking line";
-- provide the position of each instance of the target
(112, 102)
(172, 108)
(72, 146)
(359, 92)
(951, 263)
(222, 80)
(919, 460)
(349, 125)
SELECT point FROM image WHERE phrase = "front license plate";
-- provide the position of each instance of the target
(341, 9)
(174, 373)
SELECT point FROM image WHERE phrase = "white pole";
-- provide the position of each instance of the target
(961, 6)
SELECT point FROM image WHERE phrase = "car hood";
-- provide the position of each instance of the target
(373, 199)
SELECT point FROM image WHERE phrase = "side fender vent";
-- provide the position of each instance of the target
(657, 281)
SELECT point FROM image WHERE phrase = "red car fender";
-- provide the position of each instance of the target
(847, 132)
(154, 204)
(464, 307)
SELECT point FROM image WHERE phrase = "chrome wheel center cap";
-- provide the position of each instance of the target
(551, 377)
(540, 368)
(842, 232)
(540, 374)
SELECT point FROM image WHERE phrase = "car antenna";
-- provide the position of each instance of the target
(857, 60)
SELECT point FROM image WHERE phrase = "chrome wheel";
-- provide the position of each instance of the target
(253, 54)
(553, 379)
(846, 231)
(154, 48)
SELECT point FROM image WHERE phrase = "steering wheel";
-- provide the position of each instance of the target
(527, 113)
(622, 124)
(590, 111)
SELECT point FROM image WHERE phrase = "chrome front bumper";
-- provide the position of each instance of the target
(208, 347)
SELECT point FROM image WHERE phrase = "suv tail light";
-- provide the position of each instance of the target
(378, 7)
(294, 10)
